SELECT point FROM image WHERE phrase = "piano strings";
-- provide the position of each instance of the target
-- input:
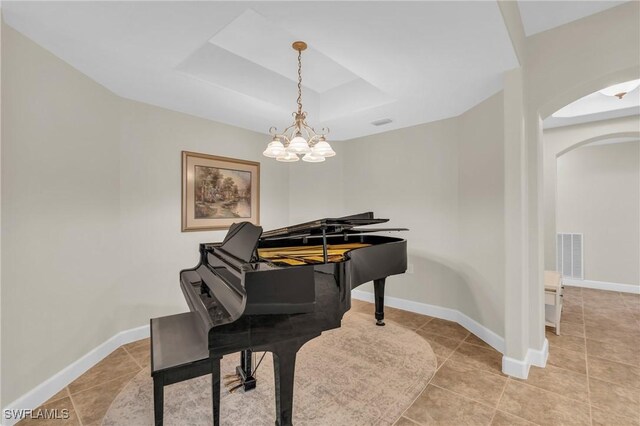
(302, 255)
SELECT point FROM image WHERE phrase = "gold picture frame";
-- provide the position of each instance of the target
(218, 191)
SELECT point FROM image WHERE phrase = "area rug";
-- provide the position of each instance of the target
(358, 374)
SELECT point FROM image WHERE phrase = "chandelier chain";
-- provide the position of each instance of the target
(299, 82)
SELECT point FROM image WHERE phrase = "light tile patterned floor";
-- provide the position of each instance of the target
(592, 377)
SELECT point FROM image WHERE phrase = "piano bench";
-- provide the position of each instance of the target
(179, 351)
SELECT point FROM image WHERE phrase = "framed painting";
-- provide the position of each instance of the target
(218, 191)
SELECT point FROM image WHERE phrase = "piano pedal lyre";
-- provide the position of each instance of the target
(235, 388)
(233, 382)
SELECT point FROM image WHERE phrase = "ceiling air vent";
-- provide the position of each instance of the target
(381, 122)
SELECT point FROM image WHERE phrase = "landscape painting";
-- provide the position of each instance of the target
(218, 191)
(222, 193)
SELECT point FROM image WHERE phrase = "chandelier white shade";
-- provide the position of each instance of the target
(274, 149)
(323, 149)
(287, 157)
(298, 146)
(313, 158)
(299, 139)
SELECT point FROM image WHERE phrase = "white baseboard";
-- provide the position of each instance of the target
(491, 338)
(602, 285)
(51, 386)
(520, 368)
(36, 396)
(510, 366)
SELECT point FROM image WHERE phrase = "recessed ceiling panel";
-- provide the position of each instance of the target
(538, 16)
(411, 62)
(225, 69)
(268, 44)
(351, 98)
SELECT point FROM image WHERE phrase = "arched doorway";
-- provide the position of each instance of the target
(561, 66)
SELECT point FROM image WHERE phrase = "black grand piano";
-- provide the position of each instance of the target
(276, 290)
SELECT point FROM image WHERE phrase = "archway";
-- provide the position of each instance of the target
(598, 138)
(561, 66)
(541, 245)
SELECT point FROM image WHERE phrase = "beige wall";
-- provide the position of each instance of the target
(60, 214)
(91, 241)
(443, 181)
(558, 141)
(316, 189)
(411, 177)
(480, 234)
(152, 249)
(599, 196)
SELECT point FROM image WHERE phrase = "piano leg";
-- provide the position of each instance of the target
(158, 399)
(284, 367)
(215, 389)
(378, 289)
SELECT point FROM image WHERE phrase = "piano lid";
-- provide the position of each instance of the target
(329, 226)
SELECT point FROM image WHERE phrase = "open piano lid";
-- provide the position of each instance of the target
(329, 226)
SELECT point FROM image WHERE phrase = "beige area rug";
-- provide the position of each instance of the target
(358, 374)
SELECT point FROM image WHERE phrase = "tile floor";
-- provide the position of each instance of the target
(592, 377)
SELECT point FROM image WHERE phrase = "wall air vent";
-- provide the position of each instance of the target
(381, 122)
(569, 255)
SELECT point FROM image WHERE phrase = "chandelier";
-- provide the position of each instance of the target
(299, 138)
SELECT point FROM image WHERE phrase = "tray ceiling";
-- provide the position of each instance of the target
(411, 62)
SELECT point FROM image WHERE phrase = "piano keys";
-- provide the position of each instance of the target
(276, 290)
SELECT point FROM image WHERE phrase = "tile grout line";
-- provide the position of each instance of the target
(73, 404)
(480, 346)
(588, 402)
(613, 361)
(573, 371)
(131, 356)
(499, 374)
(484, 403)
(428, 383)
(51, 400)
(519, 417)
(585, 351)
(100, 384)
(464, 396)
(454, 392)
(591, 404)
(586, 362)
(506, 382)
(551, 392)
